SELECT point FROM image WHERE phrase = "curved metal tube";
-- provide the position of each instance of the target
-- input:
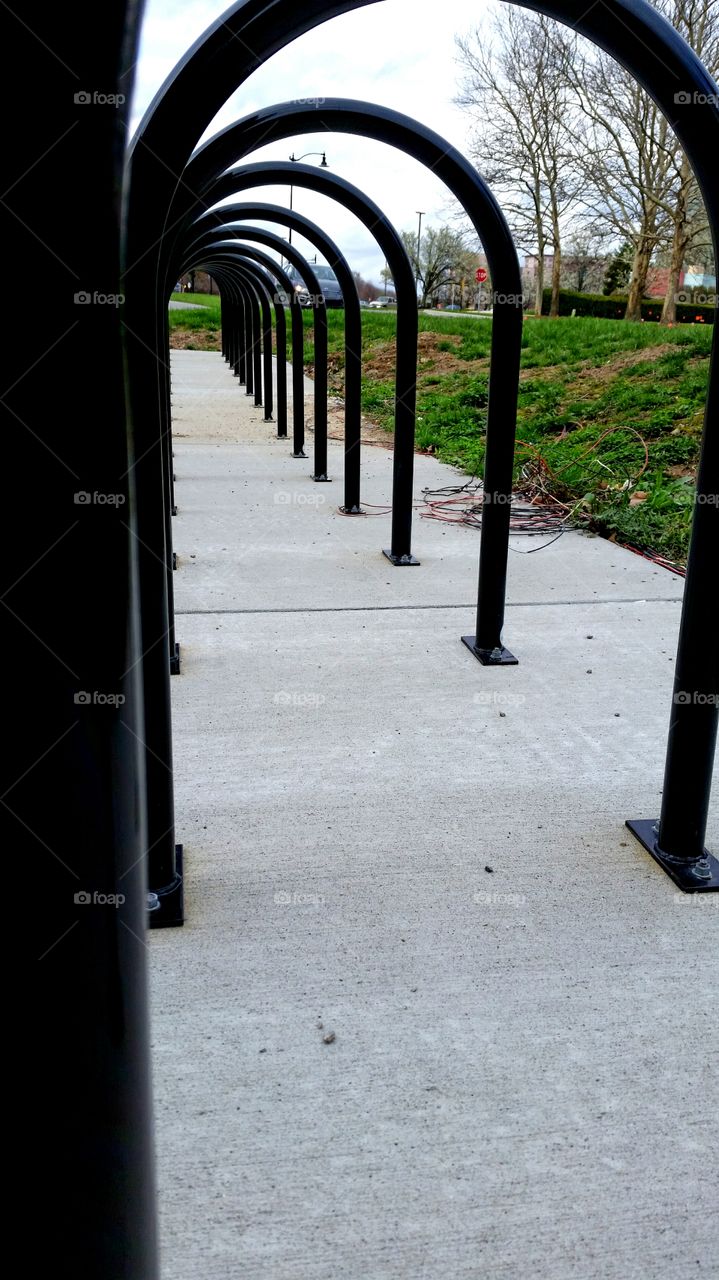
(228, 236)
(346, 115)
(319, 314)
(353, 342)
(634, 33)
(240, 271)
(273, 269)
(400, 552)
(273, 241)
(353, 337)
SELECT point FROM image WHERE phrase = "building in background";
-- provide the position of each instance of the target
(197, 282)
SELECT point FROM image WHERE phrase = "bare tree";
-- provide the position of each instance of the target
(636, 175)
(443, 255)
(568, 138)
(584, 263)
(698, 22)
(367, 291)
(517, 88)
(624, 148)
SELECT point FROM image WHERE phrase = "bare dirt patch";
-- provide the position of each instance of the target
(434, 355)
(370, 432)
(195, 340)
(618, 364)
(586, 372)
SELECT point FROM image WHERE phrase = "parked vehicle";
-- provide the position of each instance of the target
(328, 282)
(383, 302)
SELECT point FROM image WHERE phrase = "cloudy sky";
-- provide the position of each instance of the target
(399, 53)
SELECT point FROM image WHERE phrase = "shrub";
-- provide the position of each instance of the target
(613, 308)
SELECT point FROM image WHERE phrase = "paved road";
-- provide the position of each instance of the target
(452, 315)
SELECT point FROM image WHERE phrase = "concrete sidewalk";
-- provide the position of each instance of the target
(388, 844)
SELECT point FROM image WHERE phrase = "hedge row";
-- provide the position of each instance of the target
(613, 308)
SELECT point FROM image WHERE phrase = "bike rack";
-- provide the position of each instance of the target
(642, 40)
(100, 1214)
(308, 229)
(346, 115)
(353, 344)
(407, 320)
(233, 327)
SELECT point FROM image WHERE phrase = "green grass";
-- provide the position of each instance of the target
(584, 416)
(207, 318)
(589, 406)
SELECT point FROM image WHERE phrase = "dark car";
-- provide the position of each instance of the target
(328, 282)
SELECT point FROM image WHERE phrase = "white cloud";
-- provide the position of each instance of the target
(397, 53)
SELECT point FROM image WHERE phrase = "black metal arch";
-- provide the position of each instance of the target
(261, 280)
(467, 185)
(352, 315)
(233, 328)
(407, 321)
(319, 316)
(90, 999)
(297, 327)
(423, 144)
(250, 32)
(240, 342)
(247, 345)
(238, 300)
(247, 265)
(236, 296)
(258, 285)
(634, 33)
(235, 318)
(353, 340)
(260, 236)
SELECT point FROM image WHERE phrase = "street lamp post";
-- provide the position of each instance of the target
(295, 160)
(419, 245)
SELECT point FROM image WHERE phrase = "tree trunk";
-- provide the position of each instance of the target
(669, 310)
(556, 265)
(680, 239)
(640, 271)
(556, 273)
(539, 285)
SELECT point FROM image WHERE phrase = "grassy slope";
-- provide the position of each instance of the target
(581, 378)
(207, 318)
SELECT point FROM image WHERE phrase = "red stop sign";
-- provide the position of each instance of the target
(480, 275)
